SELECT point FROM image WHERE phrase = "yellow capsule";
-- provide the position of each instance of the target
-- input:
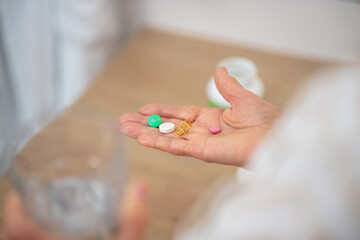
(183, 128)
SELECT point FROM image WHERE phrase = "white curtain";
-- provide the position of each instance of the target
(50, 50)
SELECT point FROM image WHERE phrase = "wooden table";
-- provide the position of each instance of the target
(162, 68)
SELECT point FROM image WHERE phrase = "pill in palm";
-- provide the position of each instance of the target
(167, 127)
(183, 128)
(154, 120)
(215, 129)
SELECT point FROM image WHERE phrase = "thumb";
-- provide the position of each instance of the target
(17, 224)
(227, 85)
(134, 216)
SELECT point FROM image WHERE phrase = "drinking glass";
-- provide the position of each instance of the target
(70, 172)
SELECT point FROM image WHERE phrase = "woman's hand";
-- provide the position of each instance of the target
(132, 222)
(242, 126)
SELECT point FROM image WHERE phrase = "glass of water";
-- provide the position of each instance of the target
(70, 172)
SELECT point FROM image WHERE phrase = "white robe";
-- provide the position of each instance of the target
(306, 173)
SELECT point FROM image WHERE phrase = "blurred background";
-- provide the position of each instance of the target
(117, 55)
(51, 50)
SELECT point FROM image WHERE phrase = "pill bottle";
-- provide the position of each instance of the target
(245, 71)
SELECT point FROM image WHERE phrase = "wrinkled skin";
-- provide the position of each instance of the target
(242, 126)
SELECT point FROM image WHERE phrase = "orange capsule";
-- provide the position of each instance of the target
(183, 128)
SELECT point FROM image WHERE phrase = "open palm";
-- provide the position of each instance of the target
(242, 126)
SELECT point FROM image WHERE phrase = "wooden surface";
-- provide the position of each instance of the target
(156, 67)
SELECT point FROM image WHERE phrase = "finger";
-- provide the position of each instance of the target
(17, 224)
(134, 214)
(187, 112)
(173, 145)
(139, 118)
(228, 86)
(134, 129)
(133, 117)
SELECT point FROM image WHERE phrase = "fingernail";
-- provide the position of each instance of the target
(142, 191)
(224, 68)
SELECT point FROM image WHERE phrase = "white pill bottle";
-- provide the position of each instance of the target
(245, 71)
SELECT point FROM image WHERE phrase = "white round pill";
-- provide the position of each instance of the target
(167, 127)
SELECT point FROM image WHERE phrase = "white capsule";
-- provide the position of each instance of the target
(167, 127)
